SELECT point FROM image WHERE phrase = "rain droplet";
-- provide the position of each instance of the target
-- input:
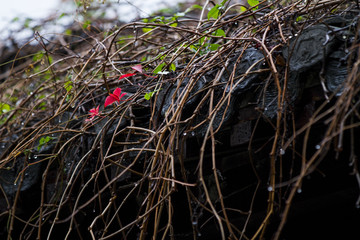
(32, 114)
(93, 210)
(317, 147)
(184, 133)
(35, 156)
(266, 109)
(192, 133)
(59, 121)
(282, 151)
(269, 188)
(194, 222)
(357, 205)
(299, 190)
(344, 37)
(22, 123)
(43, 219)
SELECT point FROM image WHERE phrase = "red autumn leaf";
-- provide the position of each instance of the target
(137, 68)
(114, 97)
(93, 113)
(126, 75)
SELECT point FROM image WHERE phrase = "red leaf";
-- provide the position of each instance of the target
(109, 100)
(114, 97)
(126, 75)
(137, 68)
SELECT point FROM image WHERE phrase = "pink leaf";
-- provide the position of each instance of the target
(126, 75)
(92, 114)
(137, 68)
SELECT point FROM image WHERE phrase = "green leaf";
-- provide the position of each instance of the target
(159, 68)
(214, 12)
(243, 9)
(68, 32)
(172, 67)
(145, 30)
(4, 107)
(148, 95)
(68, 85)
(38, 56)
(15, 19)
(253, 3)
(51, 60)
(43, 141)
(214, 46)
(220, 33)
(27, 22)
(86, 24)
(195, 6)
(61, 15)
(299, 18)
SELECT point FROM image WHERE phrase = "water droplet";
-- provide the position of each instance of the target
(22, 123)
(266, 109)
(93, 210)
(59, 120)
(199, 234)
(194, 222)
(299, 190)
(192, 133)
(290, 37)
(3, 145)
(184, 133)
(43, 219)
(295, 34)
(15, 183)
(357, 205)
(32, 114)
(317, 147)
(31, 93)
(269, 188)
(35, 156)
(282, 151)
(344, 37)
